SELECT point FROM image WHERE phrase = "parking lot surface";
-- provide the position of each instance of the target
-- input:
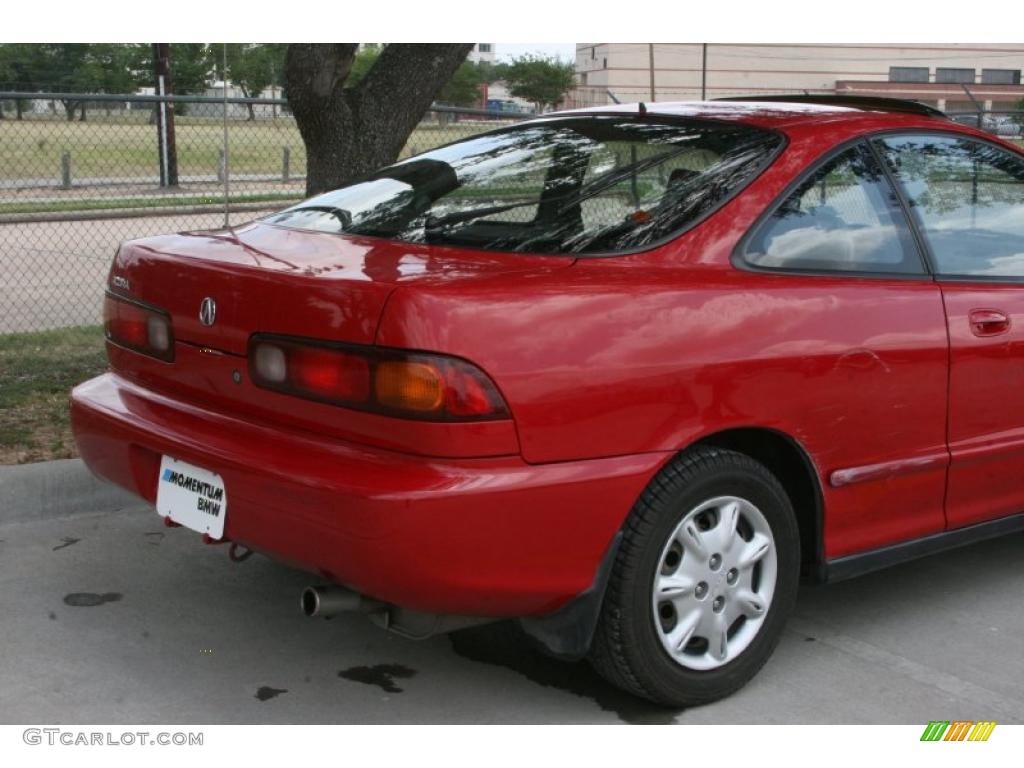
(110, 617)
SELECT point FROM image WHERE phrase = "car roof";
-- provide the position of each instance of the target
(773, 112)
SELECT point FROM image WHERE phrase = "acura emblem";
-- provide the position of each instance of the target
(208, 311)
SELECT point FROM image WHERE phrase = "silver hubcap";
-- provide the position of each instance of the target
(714, 583)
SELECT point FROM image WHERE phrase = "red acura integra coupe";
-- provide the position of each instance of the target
(622, 374)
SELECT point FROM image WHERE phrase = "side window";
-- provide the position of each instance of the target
(968, 197)
(844, 218)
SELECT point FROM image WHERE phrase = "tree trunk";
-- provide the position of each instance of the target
(81, 113)
(69, 110)
(20, 107)
(350, 132)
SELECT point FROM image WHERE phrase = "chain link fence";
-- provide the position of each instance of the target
(72, 190)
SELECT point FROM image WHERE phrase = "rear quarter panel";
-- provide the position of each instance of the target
(654, 351)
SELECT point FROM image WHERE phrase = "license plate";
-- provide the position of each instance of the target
(192, 496)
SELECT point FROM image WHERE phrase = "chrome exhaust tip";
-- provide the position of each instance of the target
(327, 601)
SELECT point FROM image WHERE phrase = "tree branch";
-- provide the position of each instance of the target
(316, 73)
(402, 84)
(350, 132)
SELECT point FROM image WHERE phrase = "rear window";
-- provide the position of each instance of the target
(562, 186)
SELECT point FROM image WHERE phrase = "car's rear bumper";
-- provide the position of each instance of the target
(486, 537)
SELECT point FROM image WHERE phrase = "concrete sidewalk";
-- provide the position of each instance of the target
(110, 617)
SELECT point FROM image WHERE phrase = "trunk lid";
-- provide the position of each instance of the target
(266, 278)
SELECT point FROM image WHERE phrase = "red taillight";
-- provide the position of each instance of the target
(407, 384)
(330, 373)
(138, 327)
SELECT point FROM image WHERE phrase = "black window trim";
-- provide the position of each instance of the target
(739, 253)
(915, 223)
(768, 161)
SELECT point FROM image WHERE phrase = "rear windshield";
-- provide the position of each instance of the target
(562, 186)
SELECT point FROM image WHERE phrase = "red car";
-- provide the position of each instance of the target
(622, 374)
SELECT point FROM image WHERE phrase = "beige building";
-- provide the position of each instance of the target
(481, 53)
(935, 74)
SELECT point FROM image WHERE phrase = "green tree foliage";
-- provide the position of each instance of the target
(539, 80)
(64, 68)
(118, 67)
(18, 65)
(254, 67)
(74, 68)
(16, 68)
(490, 71)
(363, 62)
(193, 66)
(463, 90)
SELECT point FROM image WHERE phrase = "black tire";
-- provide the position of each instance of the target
(626, 649)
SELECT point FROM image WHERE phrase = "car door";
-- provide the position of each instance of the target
(879, 413)
(967, 196)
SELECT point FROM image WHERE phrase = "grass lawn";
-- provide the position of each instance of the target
(127, 147)
(37, 371)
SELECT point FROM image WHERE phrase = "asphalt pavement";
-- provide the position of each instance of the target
(109, 617)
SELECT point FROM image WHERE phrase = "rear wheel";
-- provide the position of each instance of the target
(703, 582)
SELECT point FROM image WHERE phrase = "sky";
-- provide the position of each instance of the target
(564, 51)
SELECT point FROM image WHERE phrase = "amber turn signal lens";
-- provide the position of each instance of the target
(394, 382)
(409, 386)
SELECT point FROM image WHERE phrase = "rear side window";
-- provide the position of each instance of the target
(571, 185)
(968, 197)
(845, 218)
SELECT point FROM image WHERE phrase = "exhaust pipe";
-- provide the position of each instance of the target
(330, 600)
(327, 601)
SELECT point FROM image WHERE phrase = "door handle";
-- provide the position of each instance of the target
(989, 322)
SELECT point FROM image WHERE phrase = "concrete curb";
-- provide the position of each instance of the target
(53, 489)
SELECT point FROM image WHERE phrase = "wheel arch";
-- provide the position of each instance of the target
(790, 462)
(568, 633)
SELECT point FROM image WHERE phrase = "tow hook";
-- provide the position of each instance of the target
(238, 553)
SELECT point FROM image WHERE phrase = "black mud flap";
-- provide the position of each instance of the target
(567, 633)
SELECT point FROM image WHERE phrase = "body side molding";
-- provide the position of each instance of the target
(887, 469)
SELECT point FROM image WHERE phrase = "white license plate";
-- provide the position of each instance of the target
(192, 496)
